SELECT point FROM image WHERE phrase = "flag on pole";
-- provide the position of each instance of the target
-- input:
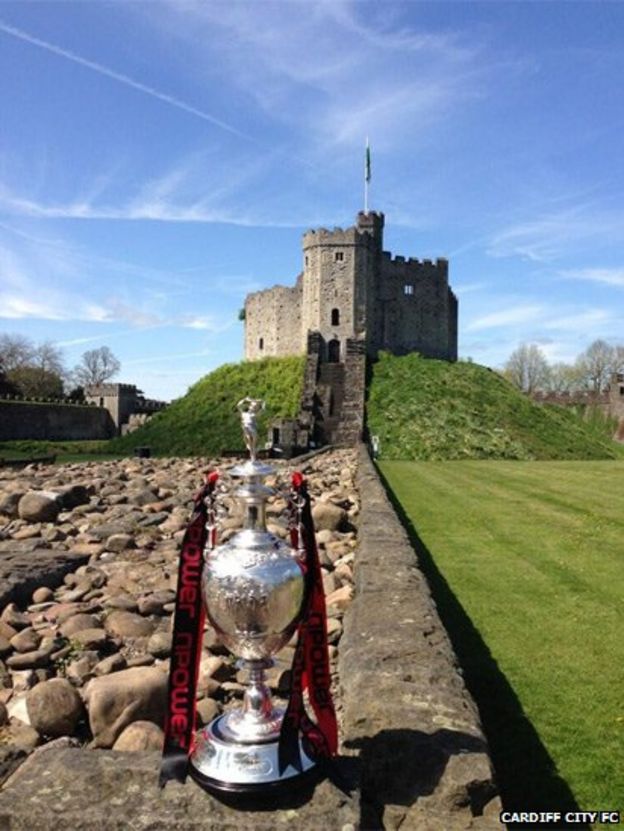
(367, 168)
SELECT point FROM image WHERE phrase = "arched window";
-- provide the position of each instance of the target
(261, 343)
(335, 317)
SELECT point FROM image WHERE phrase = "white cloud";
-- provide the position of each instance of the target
(506, 317)
(550, 236)
(159, 201)
(468, 288)
(580, 321)
(333, 71)
(607, 276)
(205, 323)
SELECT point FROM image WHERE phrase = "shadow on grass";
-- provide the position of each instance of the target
(526, 774)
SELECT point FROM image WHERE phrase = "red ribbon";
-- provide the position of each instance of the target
(310, 669)
(187, 639)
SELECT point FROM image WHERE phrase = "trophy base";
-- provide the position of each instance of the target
(221, 764)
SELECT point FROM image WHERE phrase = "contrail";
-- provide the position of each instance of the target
(117, 76)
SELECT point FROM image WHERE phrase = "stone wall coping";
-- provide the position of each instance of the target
(423, 755)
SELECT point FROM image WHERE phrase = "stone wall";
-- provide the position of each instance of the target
(273, 322)
(351, 425)
(414, 309)
(54, 422)
(424, 758)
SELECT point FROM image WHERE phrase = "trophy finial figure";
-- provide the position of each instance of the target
(249, 408)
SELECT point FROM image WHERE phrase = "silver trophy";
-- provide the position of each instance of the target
(253, 590)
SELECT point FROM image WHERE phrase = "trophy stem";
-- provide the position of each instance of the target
(257, 720)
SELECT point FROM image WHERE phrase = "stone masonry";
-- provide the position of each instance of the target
(351, 288)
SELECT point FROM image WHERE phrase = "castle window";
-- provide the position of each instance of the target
(339, 256)
(408, 288)
(261, 343)
(306, 259)
(335, 317)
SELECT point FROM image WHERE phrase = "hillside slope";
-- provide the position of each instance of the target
(205, 421)
(426, 409)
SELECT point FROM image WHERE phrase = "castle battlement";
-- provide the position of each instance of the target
(397, 303)
(339, 236)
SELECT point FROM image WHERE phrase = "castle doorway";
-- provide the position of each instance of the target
(333, 351)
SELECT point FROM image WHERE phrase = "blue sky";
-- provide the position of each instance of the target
(158, 160)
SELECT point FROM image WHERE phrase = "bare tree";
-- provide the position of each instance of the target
(564, 377)
(15, 351)
(527, 368)
(618, 362)
(596, 365)
(48, 358)
(97, 366)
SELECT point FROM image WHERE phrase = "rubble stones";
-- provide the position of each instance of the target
(128, 625)
(140, 735)
(42, 595)
(115, 701)
(39, 506)
(54, 707)
(26, 641)
(111, 664)
(76, 623)
(327, 516)
(94, 588)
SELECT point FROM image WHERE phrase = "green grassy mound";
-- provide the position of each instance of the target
(205, 421)
(426, 409)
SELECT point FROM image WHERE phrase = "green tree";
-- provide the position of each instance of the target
(34, 382)
(33, 371)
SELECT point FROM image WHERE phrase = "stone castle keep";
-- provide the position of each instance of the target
(351, 288)
(351, 300)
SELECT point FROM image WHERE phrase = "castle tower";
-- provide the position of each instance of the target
(338, 274)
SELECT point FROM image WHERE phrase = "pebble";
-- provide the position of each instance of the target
(42, 595)
(111, 664)
(128, 625)
(140, 735)
(110, 623)
(26, 641)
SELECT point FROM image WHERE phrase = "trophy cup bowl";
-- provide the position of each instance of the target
(253, 590)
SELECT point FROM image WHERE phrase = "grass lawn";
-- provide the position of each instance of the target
(526, 563)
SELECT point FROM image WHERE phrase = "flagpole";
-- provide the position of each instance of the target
(366, 176)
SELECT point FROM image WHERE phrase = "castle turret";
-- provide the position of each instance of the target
(372, 223)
